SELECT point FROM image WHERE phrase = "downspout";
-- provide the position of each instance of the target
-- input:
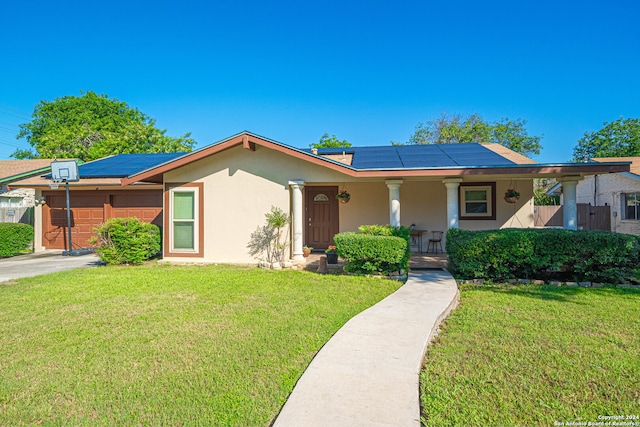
(595, 190)
(615, 212)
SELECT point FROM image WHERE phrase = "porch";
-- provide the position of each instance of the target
(418, 261)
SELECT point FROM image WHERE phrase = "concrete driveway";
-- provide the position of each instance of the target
(44, 262)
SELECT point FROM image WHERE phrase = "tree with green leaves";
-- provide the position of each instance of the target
(92, 126)
(332, 141)
(458, 129)
(620, 138)
(540, 196)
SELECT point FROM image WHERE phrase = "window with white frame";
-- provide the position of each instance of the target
(477, 201)
(184, 219)
(11, 202)
(631, 206)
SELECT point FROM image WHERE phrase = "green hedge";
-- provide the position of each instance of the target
(374, 249)
(542, 254)
(126, 241)
(14, 238)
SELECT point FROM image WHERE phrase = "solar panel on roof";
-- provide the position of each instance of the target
(122, 165)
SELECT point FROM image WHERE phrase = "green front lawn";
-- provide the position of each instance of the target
(528, 355)
(166, 345)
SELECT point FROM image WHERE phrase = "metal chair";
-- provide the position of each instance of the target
(435, 241)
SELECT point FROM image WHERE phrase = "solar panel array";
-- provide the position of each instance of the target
(376, 157)
(123, 165)
(426, 156)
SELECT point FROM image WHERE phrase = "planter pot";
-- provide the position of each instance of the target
(344, 199)
(510, 199)
(332, 258)
(306, 253)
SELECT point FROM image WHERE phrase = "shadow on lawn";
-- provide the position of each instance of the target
(551, 292)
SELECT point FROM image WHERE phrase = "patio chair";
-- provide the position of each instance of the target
(435, 241)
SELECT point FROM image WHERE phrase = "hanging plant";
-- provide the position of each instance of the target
(343, 196)
(511, 196)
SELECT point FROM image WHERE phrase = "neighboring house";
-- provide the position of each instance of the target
(15, 202)
(213, 199)
(620, 191)
(15, 170)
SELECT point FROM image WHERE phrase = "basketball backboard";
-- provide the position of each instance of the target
(64, 171)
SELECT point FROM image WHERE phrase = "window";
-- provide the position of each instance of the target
(321, 198)
(477, 201)
(631, 206)
(183, 220)
(11, 202)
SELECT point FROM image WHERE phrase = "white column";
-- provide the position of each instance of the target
(297, 219)
(452, 185)
(394, 201)
(570, 216)
(37, 223)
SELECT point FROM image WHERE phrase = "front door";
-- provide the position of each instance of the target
(322, 216)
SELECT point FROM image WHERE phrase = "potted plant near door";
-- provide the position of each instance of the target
(332, 255)
(306, 251)
(343, 196)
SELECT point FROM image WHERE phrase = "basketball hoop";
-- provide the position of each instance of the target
(65, 171)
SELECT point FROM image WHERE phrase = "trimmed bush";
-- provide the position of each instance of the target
(14, 238)
(126, 241)
(542, 254)
(374, 249)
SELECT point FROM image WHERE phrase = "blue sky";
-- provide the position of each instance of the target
(365, 71)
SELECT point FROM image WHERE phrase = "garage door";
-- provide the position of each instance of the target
(90, 209)
(145, 206)
(87, 212)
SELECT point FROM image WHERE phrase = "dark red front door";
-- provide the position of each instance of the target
(322, 216)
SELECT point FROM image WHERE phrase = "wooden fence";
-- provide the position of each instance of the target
(23, 215)
(589, 217)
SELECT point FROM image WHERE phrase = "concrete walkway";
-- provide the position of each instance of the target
(367, 374)
(44, 262)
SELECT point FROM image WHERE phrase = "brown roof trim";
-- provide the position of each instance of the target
(250, 141)
(247, 140)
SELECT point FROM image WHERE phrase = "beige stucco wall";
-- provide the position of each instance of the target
(508, 215)
(241, 186)
(602, 190)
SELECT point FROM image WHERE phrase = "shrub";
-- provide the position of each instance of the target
(542, 253)
(375, 249)
(126, 241)
(14, 238)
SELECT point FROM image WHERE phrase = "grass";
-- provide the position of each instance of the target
(529, 355)
(166, 345)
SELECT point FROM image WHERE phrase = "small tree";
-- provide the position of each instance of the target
(271, 240)
(540, 196)
(332, 141)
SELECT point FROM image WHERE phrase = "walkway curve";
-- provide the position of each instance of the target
(368, 372)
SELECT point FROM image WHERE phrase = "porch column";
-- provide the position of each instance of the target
(394, 201)
(452, 185)
(570, 216)
(297, 218)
